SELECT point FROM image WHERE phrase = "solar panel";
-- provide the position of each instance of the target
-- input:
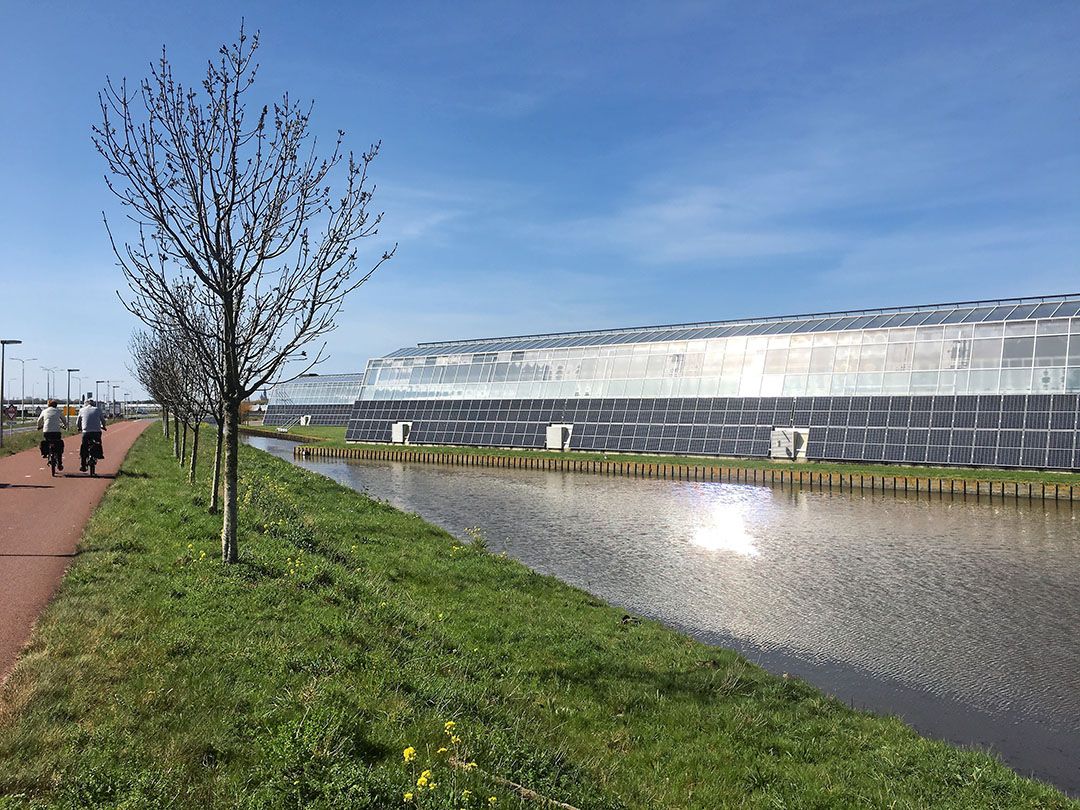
(978, 315)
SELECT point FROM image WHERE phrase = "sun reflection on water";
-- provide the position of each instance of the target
(723, 529)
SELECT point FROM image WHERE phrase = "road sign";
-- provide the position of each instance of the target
(11, 411)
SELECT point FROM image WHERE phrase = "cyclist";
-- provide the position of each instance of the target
(51, 422)
(91, 422)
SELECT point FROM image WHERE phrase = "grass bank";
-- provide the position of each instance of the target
(315, 432)
(335, 436)
(350, 632)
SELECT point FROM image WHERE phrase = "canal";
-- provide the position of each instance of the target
(961, 616)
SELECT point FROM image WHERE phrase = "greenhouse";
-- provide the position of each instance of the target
(317, 399)
(976, 383)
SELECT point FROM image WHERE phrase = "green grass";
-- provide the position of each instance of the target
(23, 440)
(17, 442)
(320, 432)
(349, 631)
(335, 437)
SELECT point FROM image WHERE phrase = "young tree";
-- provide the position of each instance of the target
(237, 211)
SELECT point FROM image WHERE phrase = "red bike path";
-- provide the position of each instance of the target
(41, 522)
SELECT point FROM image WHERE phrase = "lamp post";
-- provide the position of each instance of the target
(67, 410)
(113, 409)
(48, 380)
(96, 384)
(3, 348)
(24, 361)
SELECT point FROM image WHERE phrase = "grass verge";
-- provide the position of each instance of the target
(335, 436)
(350, 631)
(25, 439)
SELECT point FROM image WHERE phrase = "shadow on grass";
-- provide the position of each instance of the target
(601, 678)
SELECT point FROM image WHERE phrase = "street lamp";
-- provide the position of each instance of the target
(48, 378)
(3, 348)
(24, 361)
(67, 410)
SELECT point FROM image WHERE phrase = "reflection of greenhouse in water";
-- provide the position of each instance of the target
(984, 383)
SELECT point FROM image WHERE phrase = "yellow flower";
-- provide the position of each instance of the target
(409, 754)
(424, 778)
(407, 797)
(449, 726)
(470, 766)
(466, 793)
(492, 801)
(454, 739)
(442, 750)
(433, 785)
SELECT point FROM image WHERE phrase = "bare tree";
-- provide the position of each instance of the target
(164, 367)
(146, 367)
(238, 212)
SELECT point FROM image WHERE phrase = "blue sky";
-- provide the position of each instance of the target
(580, 165)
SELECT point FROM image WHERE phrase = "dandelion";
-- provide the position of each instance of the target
(465, 794)
(449, 727)
(409, 754)
(423, 778)
(470, 766)
(407, 797)
(492, 801)
(454, 739)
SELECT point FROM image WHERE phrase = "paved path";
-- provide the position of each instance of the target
(41, 522)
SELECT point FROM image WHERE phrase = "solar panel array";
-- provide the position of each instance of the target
(993, 430)
(333, 415)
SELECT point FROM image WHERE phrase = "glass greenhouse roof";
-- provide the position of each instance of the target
(1009, 309)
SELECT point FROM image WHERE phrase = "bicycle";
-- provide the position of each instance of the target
(56, 459)
(93, 448)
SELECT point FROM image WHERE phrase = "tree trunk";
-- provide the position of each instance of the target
(232, 451)
(194, 452)
(165, 420)
(183, 445)
(176, 436)
(215, 487)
